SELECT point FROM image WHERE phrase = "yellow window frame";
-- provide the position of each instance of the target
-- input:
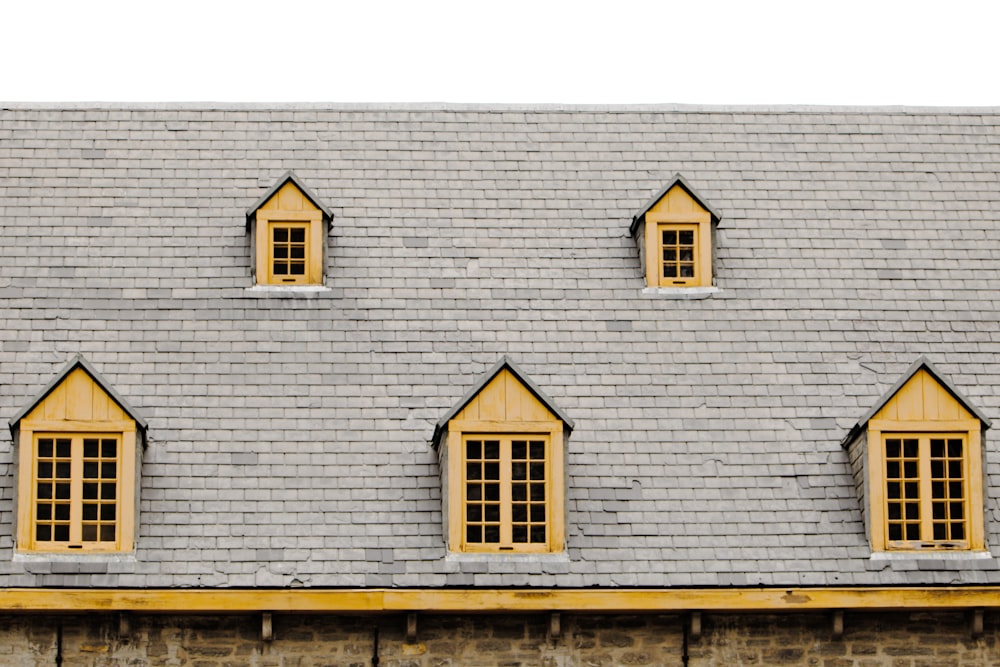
(28, 538)
(699, 225)
(270, 220)
(886, 537)
(515, 525)
(459, 435)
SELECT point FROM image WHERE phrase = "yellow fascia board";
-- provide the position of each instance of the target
(495, 600)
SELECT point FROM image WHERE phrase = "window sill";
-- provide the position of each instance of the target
(684, 293)
(507, 557)
(82, 557)
(930, 554)
(286, 290)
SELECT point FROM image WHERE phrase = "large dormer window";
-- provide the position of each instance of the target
(501, 450)
(917, 459)
(79, 450)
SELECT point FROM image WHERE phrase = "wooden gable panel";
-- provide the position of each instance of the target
(677, 200)
(922, 398)
(78, 398)
(288, 198)
(504, 398)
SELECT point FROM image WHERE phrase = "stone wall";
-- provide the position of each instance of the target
(869, 640)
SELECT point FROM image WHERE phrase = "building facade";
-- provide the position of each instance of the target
(321, 385)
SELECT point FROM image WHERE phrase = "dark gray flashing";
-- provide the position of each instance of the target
(80, 362)
(288, 176)
(639, 217)
(505, 362)
(924, 363)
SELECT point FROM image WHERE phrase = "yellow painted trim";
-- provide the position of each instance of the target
(496, 600)
(949, 426)
(125, 529)
(77, 426)
(497, 426)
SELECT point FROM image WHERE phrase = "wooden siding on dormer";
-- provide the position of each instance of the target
(504, 398)
(922, 399)
(78, 399)
(288, 198)
(678, 201)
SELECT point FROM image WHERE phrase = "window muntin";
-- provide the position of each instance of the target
(926, 490)
(76, 492)
(678, 254)
(506, 493)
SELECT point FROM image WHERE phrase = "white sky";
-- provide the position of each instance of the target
(625, 52)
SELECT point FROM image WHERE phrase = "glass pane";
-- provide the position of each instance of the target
(44, 491)
(492, 512)
(518, 449)
(43, 512)
(519, 492)
(538, 492)
(474, 534)
(537, 449)
(298, 252)
(492, 534)
(45, 447)
(686, 237)
(43, 533)
(90, 469)
(108, 491)
(492, 492)
(669, 237)
(62, 512)
(108, 533)
(109, 449)
(44, 470)
(519, 534)
(473, 471)
(63, 446)
(89, 532)
(89, 512)
(473, 513)
(892, 448)
(538, 534)
(280, 235)
(491, 449)
(473, 449)
(298, 235)
(61, 533)
(62, 491)
(108, 512)
(473, 492)
(109, 470)
(492, 470)
(519, 471)
(91, 448)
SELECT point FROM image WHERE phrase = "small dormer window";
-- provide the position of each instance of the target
(674, 234)
(288, 229)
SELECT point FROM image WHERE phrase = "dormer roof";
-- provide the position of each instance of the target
(677, 180)
(289, 176)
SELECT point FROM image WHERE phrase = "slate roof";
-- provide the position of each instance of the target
(289, 434)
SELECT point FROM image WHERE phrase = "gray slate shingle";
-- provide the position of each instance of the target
(289, 436)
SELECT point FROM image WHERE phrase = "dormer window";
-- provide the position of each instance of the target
(288, 225)
(501, 450)
(674, 234)
(917, 457)
(79, 448)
